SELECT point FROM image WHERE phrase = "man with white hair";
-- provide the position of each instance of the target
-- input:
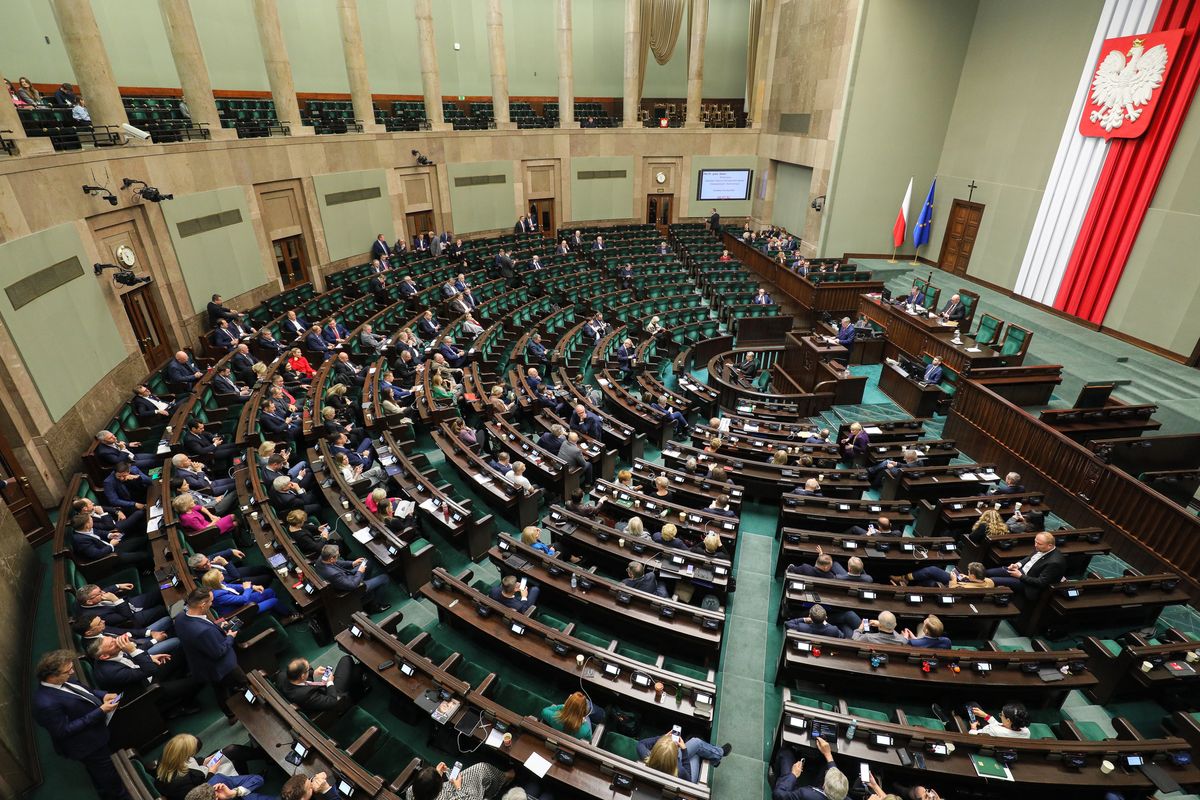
(884, 633)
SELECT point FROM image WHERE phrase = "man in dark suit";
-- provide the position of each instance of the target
(625, 276)
(1034, 573)
(625, 359)
(209, 647)
(88, 544)
(380, 249)
(815, 623)
(276, 424)
(576, 240)
(421, 243)
(598, 244)
(811, 488)
(106, 520)
(118, 664)
(572, 455)
(346, 370)
(183, 372)
(286, 495)
(562, 249)
(892, 468)
(714, 223)
(217, 311)
(455, 356)
(321, 689)
(149, 408)
(346, 576)
(586, 422)
(125, 488)
(193, 472)
(536, 353)
(268, 344)
(315, 344)
(933, 373)
(199, 443)
(832, 782)
(846, 334)
(663, 406)
(242, 363)
(225, 562)
(111, 451)
(293, 326)
(1012, 485)
(552, 439)
(222, 337)
(77, 720)
(224, 384)
(510, 593)
(141, 612)
(644, 580)
(378, 287)
(407, 287)
(954, 310)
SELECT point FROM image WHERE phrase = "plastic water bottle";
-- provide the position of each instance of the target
(574, 581)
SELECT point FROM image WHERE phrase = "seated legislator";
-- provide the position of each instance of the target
(669, 537)
(346, 576)
(832, 782)
(317, 689)
(954, 310)
(148, 407)
(644, 580)
(88, 544)
(575, 716)
(933, 372)
(930, 633)
(510, 593)
(532, 536)
(120, 665)
(1034, 573)
(1011, 485)
(111, 451)
(892, 468)
(229, 597)
(854, 446)
(183, 372)
(671, 755)
(195, 517)
(1011, 723)
(815, 623)
(879, 631)
(310, 538)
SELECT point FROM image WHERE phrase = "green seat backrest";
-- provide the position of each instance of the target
(1040, 730)
(619, 745)
(989, 328)
(1091, 731)
(637, 653)
(929, 723)
(968, 303)
(1014, 340)
(521, 700)
(868, 713)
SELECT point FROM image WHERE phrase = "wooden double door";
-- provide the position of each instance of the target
(961, 231)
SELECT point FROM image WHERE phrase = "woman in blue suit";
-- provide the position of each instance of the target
(229, 597)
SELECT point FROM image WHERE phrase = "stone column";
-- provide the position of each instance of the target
(429, 66)
(356, 65)
(279, 69)
(499, 59)
(566, 68)
(189, 63)
(89, 60)
(631, 99)
(695, 85)
(10, 120)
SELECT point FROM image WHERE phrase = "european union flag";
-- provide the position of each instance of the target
(921, 231)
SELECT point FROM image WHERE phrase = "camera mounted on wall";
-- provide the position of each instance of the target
(123, 276)
(146, 191)
(100, 191)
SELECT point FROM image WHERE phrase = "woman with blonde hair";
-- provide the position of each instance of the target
(671, 755)
(779, 457)
(668, 537)
(575, 716)
(228, 598)
(195, 517)
(989, 524)
(180, 771)
(634, 528)
(532, 536)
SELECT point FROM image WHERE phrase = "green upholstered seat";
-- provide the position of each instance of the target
(868, 713)
(929, 723)
(1112, 646)
(521, 700)
(619, 745)
(989, 330)
(637, 653)
(685, 669)
(1040, 730)
(1091, 731)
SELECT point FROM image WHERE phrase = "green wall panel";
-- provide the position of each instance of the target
(793, 184)
(530, 44)
(313, 37)
(225, 260)
(466, 71)
(26, 51)
(725, 48)
(902, 88)
(351, 227)
(727, 208)
(136, 41)
(482, 207)
(601, 198)
(598, 42)
(389, 32)
(73, 318)
(1006, 123)
(229, 37)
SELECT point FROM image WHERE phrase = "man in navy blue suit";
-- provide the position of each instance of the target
(535, 352)
(125, 487)
(111, 451)
(380, 248)
(209, 647)
(222, 337)
(276, 424)
(149, 408)
(455, 356)
(193, 472)
(142, 612)
(831, 780)
(663, 406)
(91, 545)
(586, 422)
(846, 334)
(183, 371)
(625, 359)
(933, 373)
(77, 721)
(346, 576)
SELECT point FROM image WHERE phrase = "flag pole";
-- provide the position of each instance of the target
(915, 262)
(892, 260)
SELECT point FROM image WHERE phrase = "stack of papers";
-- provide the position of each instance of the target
(540, 766)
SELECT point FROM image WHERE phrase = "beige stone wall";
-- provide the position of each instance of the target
(809, 47)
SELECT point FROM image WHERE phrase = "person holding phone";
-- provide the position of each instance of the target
(833, 782)
(476, 782)
(1012, 722)
(669, 753)
(182, 768)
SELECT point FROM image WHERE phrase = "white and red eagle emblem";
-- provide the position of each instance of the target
(1127, 82)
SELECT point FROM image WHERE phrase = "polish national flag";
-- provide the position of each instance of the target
(901, 225)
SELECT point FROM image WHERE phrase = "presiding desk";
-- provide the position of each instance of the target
(917, 398)
(915, 334)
